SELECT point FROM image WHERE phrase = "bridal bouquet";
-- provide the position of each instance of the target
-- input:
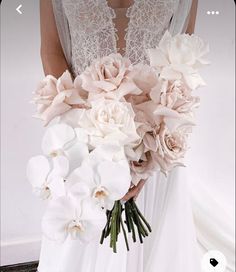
(111, 127)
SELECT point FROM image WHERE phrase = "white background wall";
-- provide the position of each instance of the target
(210, 160)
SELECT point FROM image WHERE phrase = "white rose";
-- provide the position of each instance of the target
(180, 56)
(110, 121)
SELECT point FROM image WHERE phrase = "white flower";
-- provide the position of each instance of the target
(61, 139)
(47, 176)
(72, 117)
(180, 56)
(82, 220)
(110, 121)
(101, 177)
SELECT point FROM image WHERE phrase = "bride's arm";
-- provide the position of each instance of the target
(53, 59)
(192, 17)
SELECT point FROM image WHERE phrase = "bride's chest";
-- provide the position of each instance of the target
(90, 16)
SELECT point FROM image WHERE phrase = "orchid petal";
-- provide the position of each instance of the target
(37, 170)
(76, 154)
(84, 173)
(115, 178)
(57, 217)
(60, 166)
(72, 117)
(92, 212)
(56, 137)
(57, 186)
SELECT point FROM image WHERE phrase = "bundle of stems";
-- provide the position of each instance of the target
(134, 223)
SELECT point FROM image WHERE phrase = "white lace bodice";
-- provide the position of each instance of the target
(93, 33)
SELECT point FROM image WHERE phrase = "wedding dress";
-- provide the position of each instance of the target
(86, 29)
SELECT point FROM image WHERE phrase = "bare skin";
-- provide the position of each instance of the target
(53, 58)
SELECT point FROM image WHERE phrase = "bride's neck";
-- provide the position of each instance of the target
(120, 4)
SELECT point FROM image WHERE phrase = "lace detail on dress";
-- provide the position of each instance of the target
(93, 33)
(149, 19)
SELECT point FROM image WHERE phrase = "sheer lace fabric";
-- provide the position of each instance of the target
(94, 34)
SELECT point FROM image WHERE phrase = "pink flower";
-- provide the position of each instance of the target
(145, 79)
(109, 77)
(172, 147)
(143, 168)
(54, 97)
(174, 95)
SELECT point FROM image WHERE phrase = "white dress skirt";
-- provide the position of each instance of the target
(171, 247)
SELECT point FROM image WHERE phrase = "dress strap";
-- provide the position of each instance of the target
(179, 22)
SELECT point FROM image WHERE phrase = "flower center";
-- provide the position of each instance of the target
(75, 227)
(56, 153)
(45, 193)
(100, 193)
(172, 144)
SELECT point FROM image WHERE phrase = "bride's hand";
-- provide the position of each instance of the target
(134, 191)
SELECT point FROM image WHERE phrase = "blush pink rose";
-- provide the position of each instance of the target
(174, 95)
(172, 147)
(54, 97)
(143, 168)
(109, 77)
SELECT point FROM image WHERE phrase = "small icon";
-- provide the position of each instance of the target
(213, 12)
(214, 261)
(18, 9)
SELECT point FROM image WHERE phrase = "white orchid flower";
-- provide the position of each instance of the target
(65, 217)
(63, 140)
(101, 178)
(47, 176)
(64, 148)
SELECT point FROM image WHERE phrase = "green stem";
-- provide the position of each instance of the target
(129, 212)
(127, 219)
(142, 217)
(124, 232)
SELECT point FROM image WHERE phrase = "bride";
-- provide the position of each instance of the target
(74, 33)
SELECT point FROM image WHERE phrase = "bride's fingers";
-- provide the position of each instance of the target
(131, 193)
(140, 187)
(134, 191)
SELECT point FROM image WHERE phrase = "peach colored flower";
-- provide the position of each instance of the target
(109, 77)
(172, 147)
(174, 95)
(54, 97)
(143, 168)
(145, 79)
